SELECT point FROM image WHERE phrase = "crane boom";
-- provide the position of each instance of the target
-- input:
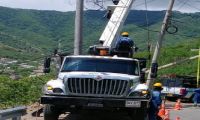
(115, 24)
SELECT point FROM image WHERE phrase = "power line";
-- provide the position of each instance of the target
(146, 2)
(188, 4)
(155, 31)
(193, 6)
(182, 3)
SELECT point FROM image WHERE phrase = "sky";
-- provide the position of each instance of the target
(69, 5)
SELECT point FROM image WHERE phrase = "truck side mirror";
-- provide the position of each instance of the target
(142, 76)
(143, 63)
(47, 64)
(154, 69)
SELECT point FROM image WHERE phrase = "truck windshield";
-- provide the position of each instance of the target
(101, 65)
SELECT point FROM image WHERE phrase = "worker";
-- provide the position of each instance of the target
(155, 102)
(142, 85)
(124, 44)
(196, 98)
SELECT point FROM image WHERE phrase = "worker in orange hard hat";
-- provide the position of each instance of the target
(156, 101)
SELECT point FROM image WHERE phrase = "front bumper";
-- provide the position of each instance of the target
(95, 102)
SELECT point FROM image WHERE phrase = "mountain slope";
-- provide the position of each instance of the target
(39, 31)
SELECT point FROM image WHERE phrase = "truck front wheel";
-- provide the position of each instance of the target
(138, 114)
(50, 112)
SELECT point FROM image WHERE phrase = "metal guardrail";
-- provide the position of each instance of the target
(14, 113)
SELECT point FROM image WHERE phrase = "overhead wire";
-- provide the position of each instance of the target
(194, 7)
(156, 31)
(146, 2)
(182, 4)
(188, 4)
(147, 27)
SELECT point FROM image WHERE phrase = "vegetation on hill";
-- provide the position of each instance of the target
(21, 92)
(28, 90)
(176, 53)
(36, 31)
(31, 34)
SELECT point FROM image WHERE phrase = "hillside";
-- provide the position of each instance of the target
(26, 36)
(29, 35)
(39, 31)
(28, 90)
(176, 53)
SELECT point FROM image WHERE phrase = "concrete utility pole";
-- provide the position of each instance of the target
(198, 69)
(154, 66)
(78, 27)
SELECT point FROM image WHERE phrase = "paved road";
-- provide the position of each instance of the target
(187, 113)
(86, 116)
(98, 116)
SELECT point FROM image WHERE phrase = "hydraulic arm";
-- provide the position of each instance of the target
(115, 24)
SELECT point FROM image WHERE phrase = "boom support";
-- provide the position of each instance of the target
(115, 24)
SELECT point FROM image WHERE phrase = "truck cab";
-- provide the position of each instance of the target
(100, 82)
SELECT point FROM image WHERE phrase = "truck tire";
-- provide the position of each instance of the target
(139, 114)
(50, 112)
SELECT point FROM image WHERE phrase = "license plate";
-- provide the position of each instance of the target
(95, 105)
(170, 94)
(133, 104)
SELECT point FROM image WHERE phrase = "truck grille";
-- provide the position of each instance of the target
(89, 86)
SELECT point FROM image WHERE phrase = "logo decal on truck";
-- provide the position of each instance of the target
(98, 78)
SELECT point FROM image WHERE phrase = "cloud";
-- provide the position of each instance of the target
(69, 5)
(179, 5)
(59, 5)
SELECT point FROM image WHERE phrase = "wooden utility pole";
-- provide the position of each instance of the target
(78, 35)
(154, 66)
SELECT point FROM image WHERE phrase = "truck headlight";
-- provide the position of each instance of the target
(138, 93)
(50, 90)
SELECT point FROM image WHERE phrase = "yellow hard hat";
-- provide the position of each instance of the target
(124, 34)
(157, 85)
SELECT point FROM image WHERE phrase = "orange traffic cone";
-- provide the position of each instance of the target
(178, 118)
(166, 115)
(161, 112)
(178, 105)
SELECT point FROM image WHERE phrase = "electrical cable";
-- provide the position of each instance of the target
(146, 2)
(147, 27)
(155, 31)
(183, 3)
(191, 6)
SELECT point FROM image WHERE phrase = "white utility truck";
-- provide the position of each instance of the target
(101, 80)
